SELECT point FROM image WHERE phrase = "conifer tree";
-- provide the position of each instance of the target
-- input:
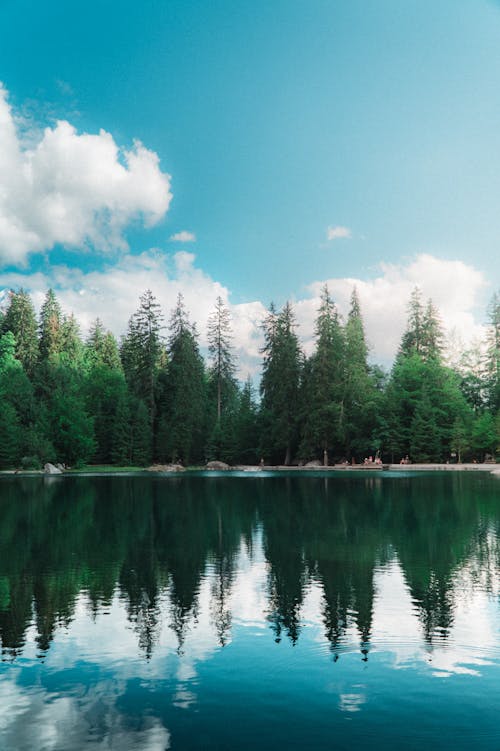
(323, 428)
(142, 438)
(222, 386)
(141, 352)
(492, 364)
(247, 428)
(222, 367)
(101, 347)
(184, 389)
(360, 397)
(20, 319)
(50, 327)
(280, 384)
(412, 338)
(71, 344)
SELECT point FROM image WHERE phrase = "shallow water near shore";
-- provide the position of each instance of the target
(233, 612)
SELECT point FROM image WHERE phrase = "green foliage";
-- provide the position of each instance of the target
(280, 385)
(323, 386)
(183, 393)
(141, 352)
(20, 319)
(65, 400)
(50, 328)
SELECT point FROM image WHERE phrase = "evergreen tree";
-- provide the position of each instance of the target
(247, 426)
(492, 364)
(71, 344)
(121, 442)
(280, 385)
(323, 428)
(425, 434)
(50, 327)
(20, 319)
(184, 389)
(432, 335)
(222, 386)
(141, 352)
(142, 438)
(423, 396)
(222, 367)
(360, 397)
(101, 347)
(412, 338)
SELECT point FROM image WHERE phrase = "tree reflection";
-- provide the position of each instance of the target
(156, 542)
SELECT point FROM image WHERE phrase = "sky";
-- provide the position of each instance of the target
(256, 151)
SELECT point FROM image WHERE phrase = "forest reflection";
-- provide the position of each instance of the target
(152, 540)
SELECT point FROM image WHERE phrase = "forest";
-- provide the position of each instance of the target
(153, 398)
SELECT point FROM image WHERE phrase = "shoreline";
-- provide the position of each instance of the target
(256, 469)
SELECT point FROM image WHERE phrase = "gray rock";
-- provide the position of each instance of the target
(314, 463)
(50, 469)
(217, 465)
(166, 468)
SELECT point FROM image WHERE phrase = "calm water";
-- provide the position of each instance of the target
(256, 612)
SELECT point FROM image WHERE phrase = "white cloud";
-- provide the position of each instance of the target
(112, 293)
(336, 233)
(455, 288)
(73, 189)
(183, 237)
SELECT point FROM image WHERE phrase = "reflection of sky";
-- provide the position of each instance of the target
(95, 684)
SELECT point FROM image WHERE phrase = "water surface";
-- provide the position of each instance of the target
(226, 612)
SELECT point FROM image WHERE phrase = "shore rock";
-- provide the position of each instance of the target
(50, 469)
(217, 465)
(314, 463)
(166, 468)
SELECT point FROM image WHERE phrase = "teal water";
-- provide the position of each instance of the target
(250, 612)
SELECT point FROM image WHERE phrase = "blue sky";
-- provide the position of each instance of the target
(275, 121)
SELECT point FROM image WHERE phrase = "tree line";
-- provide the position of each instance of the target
(153, 398)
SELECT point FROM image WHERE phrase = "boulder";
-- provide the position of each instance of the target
(166, 468)
(314, 463)
(51, 469)
(217, 465)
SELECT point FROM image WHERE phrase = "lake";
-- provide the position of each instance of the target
(210, 611)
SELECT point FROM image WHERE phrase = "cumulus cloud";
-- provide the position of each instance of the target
(183, 237)
(77, 190)
(112, 293)
(455, 288)
(338, 232)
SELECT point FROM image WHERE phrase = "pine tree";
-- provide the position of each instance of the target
(280, 385)
(141, 352)
(492, 364)
(323, 428)
(20, 319)
(121, 442)
(71, 346)
(247, 435)
(431, 347)
(142, 438)
(222, 386)
(222, 367)
(425, 442)
(360, 397)
(50, 327)
(184, 387)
